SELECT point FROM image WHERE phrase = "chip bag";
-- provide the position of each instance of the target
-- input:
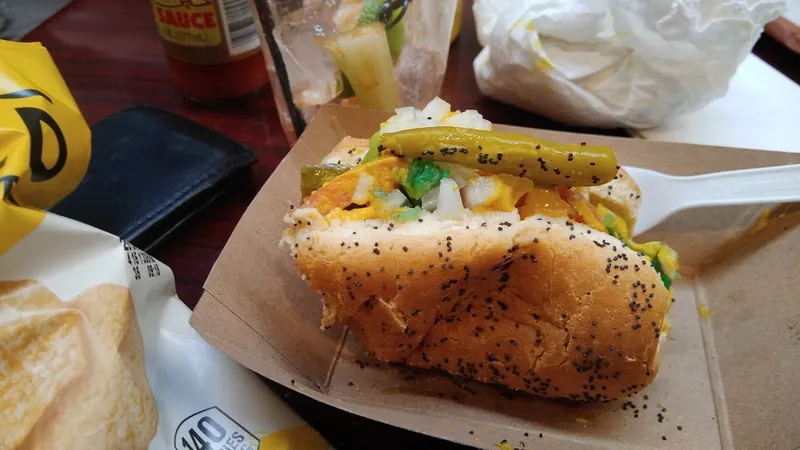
(44, 141)
(96, 350)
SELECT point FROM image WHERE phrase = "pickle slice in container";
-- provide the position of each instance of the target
(363, 56)
(396, 35)
(370, 13)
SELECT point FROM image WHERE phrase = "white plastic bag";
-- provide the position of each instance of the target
(611, 63)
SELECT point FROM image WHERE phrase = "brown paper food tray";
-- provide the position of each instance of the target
(729, 380)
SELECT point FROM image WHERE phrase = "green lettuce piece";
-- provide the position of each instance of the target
(422, 177)
(650, 249)
(370, 12)
(610, 224)
(405, 214)
(664, 277)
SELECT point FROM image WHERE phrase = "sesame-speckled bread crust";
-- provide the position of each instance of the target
(621, 195)
(348, 151)
(542, 305)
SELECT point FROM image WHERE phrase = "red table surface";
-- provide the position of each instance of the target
(111, 57)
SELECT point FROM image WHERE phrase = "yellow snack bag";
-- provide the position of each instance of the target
(45, 143)
(96, 349)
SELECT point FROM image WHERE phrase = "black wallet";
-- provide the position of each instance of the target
(150, 171)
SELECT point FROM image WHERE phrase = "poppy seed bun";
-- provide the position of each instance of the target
(542, 305)
(348, 151)
(621, 195)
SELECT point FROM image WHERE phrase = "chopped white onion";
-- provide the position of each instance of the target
(406, 118)
(449, 201)
(430, 199)
(436, 109)
(468, 119)
(479, 191)
(361, 194)
(461, 175)
(404, 112)
(392, 201)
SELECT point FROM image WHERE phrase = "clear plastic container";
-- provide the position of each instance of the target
(372, 53)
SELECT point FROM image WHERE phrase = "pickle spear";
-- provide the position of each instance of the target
(313, 177)
(514, 154)
(363, 56)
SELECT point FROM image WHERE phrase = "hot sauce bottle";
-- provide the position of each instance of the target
(213, 49)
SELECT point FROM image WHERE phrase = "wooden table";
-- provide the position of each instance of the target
(111, 57)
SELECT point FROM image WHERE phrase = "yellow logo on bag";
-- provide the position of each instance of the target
(45, 144)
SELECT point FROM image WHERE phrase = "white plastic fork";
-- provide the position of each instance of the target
(664, 195)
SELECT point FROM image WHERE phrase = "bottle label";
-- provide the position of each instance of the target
(191, 23)
(240, 26)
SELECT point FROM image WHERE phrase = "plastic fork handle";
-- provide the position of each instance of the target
(739, 187)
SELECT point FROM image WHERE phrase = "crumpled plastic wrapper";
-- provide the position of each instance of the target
(614, 63)
(422, 64)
